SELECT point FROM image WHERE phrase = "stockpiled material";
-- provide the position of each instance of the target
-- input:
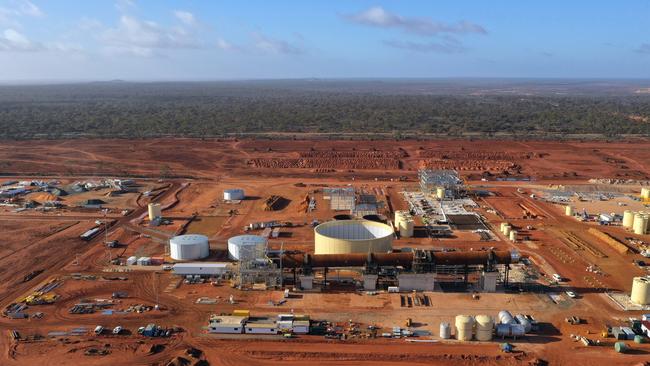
(611, 241)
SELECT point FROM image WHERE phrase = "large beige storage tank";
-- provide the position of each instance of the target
(628, 219)
(352, 236)
(568, 210)
(464, 326)
(640, 291)
(484, 327)
(155, 211)
(639, 224)
(440, 193)
(503, 225)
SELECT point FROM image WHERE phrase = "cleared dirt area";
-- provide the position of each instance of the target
(188, 177)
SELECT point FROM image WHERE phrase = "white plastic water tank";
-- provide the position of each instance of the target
(246, 247)
(233, 194)
(445, 330)
(189, 247)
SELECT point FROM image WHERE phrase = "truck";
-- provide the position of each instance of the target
(99, 330)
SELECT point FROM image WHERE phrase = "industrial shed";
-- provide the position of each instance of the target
(201, 269)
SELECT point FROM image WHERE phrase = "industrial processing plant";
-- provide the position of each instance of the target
(407, 264)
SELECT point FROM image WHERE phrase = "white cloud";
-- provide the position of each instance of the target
(9, 15)
(379, 17)
(12, 40)
(28, 8)
(226, 46)
(273, 45)
(143, 38)
(425, 47)
(124, 6)
(185, 17)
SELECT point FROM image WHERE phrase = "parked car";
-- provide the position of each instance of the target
(117, 330)
(571, 294)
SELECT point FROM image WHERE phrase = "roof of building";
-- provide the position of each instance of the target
(261, 325)
(226, 320)
(202, 265)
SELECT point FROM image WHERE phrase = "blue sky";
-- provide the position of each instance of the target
(222, 39)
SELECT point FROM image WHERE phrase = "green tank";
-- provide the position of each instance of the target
(638, 339)
(620, 347)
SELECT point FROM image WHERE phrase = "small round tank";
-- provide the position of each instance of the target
(445, 330)
(620, 347)
(640, 291)
(628, 219)
(568, 210)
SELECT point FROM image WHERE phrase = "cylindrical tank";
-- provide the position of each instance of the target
(505, 317)
(568, 210)
(639, 223)
(440, 193)
(628, 219)
(484, 327)
(506, 230)
(646, 220)
(406, 228)
(640, 291)
(620, 347)
(155, 211)
(352, 236)
(445, 330)
(503, 225)
(464, 326)
(246, 247)
(233, 194)
(638, 339)
(523, 321)
(510, 330)
(189, 247)
(513, 235)
(645, 193)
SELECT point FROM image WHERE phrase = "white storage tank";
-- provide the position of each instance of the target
(445, 330)
(640, 290)
(506, 318)
(464, 327)
(235, 194)
(246, 247)
(484, 327)
(628, 219)
(189, 247)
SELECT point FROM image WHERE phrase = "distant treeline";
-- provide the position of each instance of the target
(137, 110)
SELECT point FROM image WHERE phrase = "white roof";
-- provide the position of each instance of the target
(202, 265)
(189, 239)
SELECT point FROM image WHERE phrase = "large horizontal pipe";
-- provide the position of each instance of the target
(395, 259)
